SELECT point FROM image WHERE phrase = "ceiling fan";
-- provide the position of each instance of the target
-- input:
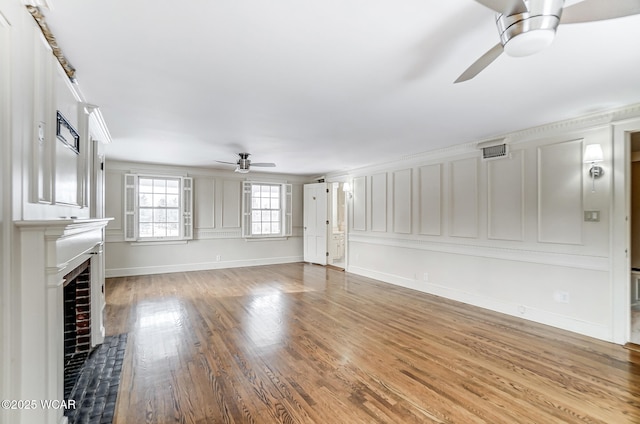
(244, 163)
(529, 26)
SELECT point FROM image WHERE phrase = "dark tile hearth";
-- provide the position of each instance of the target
(96, 390)
(73, 367)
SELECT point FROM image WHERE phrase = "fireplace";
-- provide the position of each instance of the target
(77, 323)
(59, 309)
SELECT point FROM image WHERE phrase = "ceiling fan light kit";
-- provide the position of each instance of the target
(528, 43)
(527, 33)
(527, 27)
(243, 165)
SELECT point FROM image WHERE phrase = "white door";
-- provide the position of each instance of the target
(316, 223)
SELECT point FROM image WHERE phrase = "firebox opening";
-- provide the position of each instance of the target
(77, 323)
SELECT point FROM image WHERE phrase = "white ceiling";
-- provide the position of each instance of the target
(325, 85)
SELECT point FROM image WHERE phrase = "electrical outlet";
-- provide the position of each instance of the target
(561, 296)
(425, 276)
(218, 258)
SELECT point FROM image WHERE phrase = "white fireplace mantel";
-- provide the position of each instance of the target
(49, 249)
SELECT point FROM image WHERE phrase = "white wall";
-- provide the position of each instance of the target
(217, 233)
(506, 234)
(5, 210)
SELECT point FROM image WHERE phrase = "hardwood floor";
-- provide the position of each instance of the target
(300, 343)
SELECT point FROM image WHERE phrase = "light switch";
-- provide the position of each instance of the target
(591, 216)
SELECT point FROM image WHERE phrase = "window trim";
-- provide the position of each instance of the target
(286, 222)
(132, 208)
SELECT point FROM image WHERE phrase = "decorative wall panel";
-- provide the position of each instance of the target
(505, 186)
(430, 190)
(68, 161)
(402, 190)
(360, 203)
(204, 192)
(560, 171)
(464, 198)
(379, 202)
(114, 183)
(231, 204)
(44, 125)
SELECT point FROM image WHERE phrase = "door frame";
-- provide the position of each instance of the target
(620, 239)
(346, 217)
(348, 196)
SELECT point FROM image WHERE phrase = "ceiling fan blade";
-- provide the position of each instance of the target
(508, 7)
(229, 163)
(599, 10)
(484, 61)
(270, 165)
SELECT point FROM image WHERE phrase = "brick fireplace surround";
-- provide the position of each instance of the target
(77, 322)
(50, 251)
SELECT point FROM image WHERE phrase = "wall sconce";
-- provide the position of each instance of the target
(592, 155)
(346, 187)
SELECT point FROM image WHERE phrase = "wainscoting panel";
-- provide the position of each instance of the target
(464, 198)
(360, 203)
(68, 178)
(114, 207)
(560, 193)
(204, 191)
(231, 204)
(496, 279)
(402, 189)
(430, 190)
(41, 184)
(505, 181)
(379, 202)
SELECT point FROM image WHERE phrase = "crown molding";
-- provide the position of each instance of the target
(590, 121)
(99, 125)
(201, 172)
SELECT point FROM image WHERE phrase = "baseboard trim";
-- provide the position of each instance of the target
(632, 346)
(165, 269)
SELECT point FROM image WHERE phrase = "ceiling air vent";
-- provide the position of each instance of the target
(494, 149)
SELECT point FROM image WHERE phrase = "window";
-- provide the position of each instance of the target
(266, 209)
(157, 208)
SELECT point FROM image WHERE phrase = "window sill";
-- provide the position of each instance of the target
(264, 238)
(157, 242)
